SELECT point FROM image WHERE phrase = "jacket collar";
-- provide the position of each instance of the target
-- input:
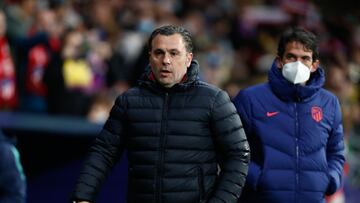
(290, 92)
(190, 79)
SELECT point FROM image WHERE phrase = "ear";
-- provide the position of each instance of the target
(189, 57)
(315, 65)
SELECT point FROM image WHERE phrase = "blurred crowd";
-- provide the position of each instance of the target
(73, 57)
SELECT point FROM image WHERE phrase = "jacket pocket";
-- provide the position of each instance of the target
(200, 177)
(331, 185)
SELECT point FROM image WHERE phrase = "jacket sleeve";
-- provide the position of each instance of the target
(335, 152)
(12, 179)
(243, 107)
(233, 147)
(104, 153)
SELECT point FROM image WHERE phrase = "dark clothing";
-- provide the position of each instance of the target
(12, 179)
(176, 138)
(296, 138)
(60, 99)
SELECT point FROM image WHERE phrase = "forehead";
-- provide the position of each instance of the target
(297, 48)
(174, 41)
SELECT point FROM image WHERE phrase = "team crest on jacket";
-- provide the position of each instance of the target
(316, 113)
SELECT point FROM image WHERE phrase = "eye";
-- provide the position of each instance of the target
(306, 58)
(290, 57)
(158, 53)
(174, 53)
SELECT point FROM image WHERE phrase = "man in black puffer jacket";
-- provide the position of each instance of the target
(184, 138)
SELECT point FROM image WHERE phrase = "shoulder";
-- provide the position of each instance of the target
(327, 96)
(253, 91)
(326, 93)
(136, 91)
(257, 89)
(207, 88)
(132, 91)
(211, 94)
(208, 91)
(130, 94)
(329, 101)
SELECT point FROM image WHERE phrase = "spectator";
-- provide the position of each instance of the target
(12, 178)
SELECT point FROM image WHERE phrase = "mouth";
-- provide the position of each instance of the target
(165, 72)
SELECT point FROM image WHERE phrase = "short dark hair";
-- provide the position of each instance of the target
(297, 34)
(170, 30)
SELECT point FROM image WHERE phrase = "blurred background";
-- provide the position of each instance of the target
(63, 62)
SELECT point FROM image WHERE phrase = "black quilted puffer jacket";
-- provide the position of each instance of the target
(185, 144)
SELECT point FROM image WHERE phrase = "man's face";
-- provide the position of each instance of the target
(169, 59)
(295, 51)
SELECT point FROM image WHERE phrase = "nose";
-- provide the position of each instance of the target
(166, 59)
(300, 59)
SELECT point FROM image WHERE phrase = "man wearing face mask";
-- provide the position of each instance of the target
(294, 128)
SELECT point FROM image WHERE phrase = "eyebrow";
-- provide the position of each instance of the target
(164, 50)
(301, 56)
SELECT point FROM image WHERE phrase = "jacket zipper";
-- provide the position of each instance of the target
(296, 152)
(160, 165)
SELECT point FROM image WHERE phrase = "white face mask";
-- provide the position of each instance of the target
(296, 72)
